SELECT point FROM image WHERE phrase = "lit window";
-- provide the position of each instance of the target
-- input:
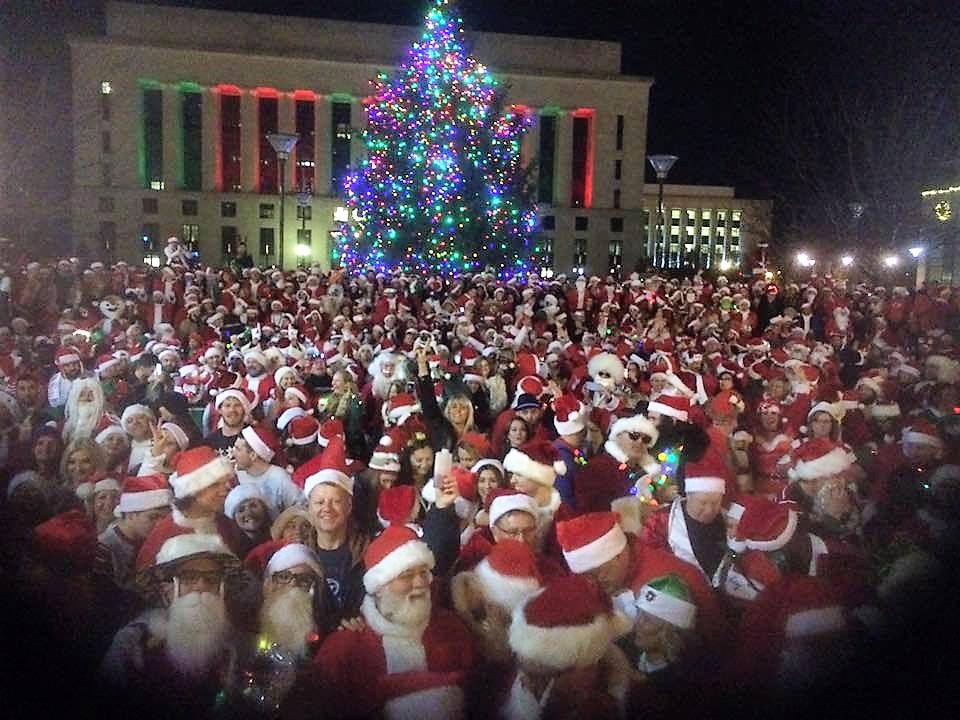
(151, 260)
(156, 184)
(106, 88)
(341, 215)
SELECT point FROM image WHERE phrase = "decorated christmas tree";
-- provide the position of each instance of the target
(442, 188)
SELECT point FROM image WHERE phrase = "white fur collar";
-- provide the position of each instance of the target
(615, 451)
(385, 628)
(550, 509)
(202, 525)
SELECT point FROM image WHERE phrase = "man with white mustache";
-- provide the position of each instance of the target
(183, 652)
(411, 659)
(293, 595)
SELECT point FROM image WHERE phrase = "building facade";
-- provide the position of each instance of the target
(172, 106)
(940, 261)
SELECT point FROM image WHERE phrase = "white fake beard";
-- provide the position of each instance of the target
(286, 618)
(404, 610)
(381, 386)
(196, 632)
(83, 419)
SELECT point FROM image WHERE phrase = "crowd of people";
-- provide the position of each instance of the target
(315, 494)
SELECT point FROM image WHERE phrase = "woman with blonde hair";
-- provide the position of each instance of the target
(81, 460)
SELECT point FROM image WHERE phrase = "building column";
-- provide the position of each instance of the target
(287, 123)
(210, 140)
(562, 174)
(322, 145)
(530, 144)
(250, 141)
(172, 137)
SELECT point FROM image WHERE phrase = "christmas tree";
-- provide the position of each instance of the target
(442, 189)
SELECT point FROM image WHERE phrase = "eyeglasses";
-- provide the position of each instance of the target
(303, 580)
(639, 436)
(518, 533)
(195, 577)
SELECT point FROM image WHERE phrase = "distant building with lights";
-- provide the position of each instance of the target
(940, 261)
(171, 108)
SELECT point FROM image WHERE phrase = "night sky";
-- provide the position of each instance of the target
(722, 67)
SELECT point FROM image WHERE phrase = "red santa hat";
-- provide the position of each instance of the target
(197, 469)
(331, 469)
(262, 441)
(283, 371)
(765, 526)
(569, 415)
(240, 494)
(68, 538)
(588, 541)
(301, 393)
(67, 354)
(288, 416)
(289, 556)
(569, 623)
(329, 429)
(246, 398)
(478, 441)
(920, 432)
(145, 492)
(400, 407)
(675, 406)
(528, 385)
(397, 505)
(386, 456)
(706, 475)
(501, 501)
(105, 362)
(820, 458)
(302, 430)
(396, 550)
(106, 428)
(509, 574)
(637, 424)
(536, 460)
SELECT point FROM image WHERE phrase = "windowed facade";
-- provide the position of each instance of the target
(151, 153)
(619, 133)
(150, 206)
(548, 149)
(616, 224)
(548, 222)
(339, 146)
(230, 142)
(150, 237)
(266, 211)
(582, 162)
(267, 117)
(190, 237)
(304, 212)
(105, 142)
(580, 256)
(547, 253)
(618, 170)
(673, 253)
(229, 239)
(188, 207)
(228, 209)
(191, 106)
(266, 241)
(616, 198)
(615, 258)
(106, 92)
(306, 145)
(581, 223)
(304, 237)
(108, 235)
(706, 256)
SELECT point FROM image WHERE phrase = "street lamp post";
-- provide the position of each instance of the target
(661, 164)
(304, 195)
(283, 144)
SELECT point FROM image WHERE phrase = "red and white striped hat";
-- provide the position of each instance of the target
(590, 540)
(146, 492)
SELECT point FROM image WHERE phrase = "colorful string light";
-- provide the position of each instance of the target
(442, 189)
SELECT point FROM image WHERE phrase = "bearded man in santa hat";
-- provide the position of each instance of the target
(294, 600)
(84, 409)
(70, 368)
(183, 653)
(412, 658)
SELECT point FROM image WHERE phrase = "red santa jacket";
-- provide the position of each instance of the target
(386, 668)
(764, 456)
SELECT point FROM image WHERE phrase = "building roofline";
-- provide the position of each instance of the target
(107, 41)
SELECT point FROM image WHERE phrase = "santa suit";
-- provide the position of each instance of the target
(395, 671)
(154, 313)
(385, 306)
(692, 542)
(577, 298)
(605, 478)
(764, 456)
(262, 386)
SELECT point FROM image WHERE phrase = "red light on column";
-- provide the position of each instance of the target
(226, 89)
(308, 95)
(591, 115)
(266, 92)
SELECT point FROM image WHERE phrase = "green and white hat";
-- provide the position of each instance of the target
(668, 598)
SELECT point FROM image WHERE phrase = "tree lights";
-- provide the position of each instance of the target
(442, 189)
